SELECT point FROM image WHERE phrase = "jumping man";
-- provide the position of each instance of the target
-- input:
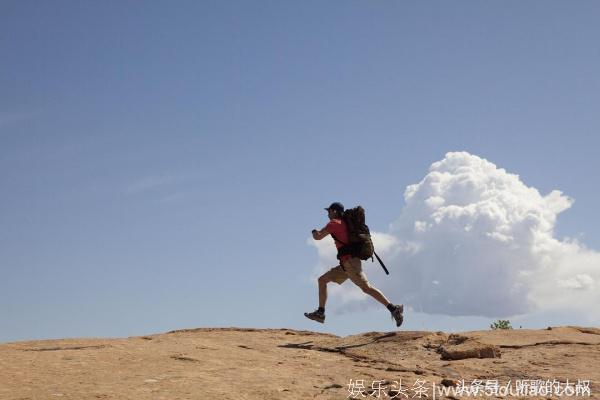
(350, 267)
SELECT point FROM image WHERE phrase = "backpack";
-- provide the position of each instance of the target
(359, 237)
(361, 245)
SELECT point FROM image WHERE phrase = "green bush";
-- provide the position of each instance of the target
(501, 324)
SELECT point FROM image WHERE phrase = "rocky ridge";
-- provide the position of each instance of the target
(242, 363)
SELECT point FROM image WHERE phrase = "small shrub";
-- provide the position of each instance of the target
(501, 324)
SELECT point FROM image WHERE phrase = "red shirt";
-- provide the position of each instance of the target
(338, 228)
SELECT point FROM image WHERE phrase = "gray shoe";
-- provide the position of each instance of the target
(397, 314)
(316, 316)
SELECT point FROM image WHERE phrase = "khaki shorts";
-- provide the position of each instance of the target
(352, 269)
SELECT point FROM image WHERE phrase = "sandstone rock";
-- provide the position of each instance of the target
(461, 347)
(283, 364)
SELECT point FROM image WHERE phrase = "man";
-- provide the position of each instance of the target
(350, 267)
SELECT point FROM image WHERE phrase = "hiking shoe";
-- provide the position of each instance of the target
(316, 316)
(397, 314)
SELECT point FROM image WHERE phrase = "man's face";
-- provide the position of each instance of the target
(331, 214)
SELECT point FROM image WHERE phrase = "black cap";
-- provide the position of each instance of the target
(339, 207)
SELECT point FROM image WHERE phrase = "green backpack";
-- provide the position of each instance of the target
(360, 243)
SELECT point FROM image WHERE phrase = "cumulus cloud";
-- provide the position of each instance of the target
(475, 240)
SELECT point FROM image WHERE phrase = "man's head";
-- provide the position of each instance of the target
(335, 210)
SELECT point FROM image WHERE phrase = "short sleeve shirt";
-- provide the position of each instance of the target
(337, 227)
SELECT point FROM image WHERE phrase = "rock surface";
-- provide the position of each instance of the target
(459, 347)
(238, 363)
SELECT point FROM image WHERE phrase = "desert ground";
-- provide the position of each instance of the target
(242, 363)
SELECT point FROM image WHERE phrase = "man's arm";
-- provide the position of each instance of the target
(318, 235)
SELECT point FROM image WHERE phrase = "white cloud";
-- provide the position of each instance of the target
(474, 240)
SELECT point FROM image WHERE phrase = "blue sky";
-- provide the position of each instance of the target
(163, 163)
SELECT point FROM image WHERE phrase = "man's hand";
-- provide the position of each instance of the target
(318, 235)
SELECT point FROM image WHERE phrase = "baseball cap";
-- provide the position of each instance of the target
(336, 207)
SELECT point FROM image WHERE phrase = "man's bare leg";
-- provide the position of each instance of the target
(319, 315)
(322, 291)
(376, 294)
(396, 310)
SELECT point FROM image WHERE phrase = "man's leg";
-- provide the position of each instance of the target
(354, 266)
(323, 281)
(396, 310)
(336, 274)
(376, 294)
(356, 274)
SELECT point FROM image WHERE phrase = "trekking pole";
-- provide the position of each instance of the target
(381, 262)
